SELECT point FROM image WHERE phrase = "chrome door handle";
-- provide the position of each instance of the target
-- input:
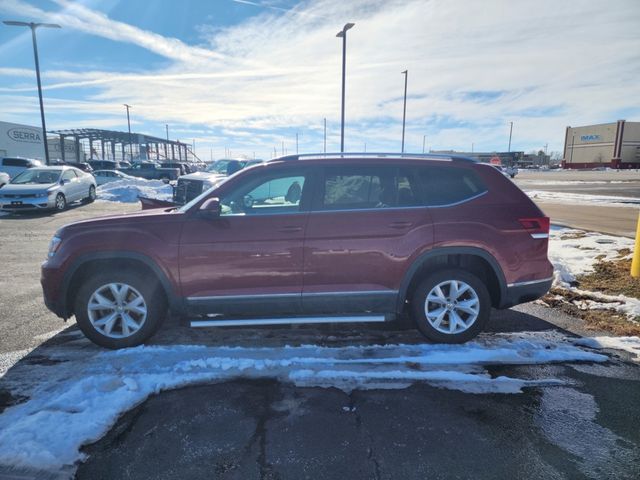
(400, 224)
(290, 229)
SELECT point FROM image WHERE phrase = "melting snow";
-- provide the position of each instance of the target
(583, 199)
(575, 256)
(129, 190)
(628, 344)
(77, 400)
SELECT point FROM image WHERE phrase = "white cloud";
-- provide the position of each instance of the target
(549, 65)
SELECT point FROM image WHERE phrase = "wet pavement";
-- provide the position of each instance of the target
(270, 430)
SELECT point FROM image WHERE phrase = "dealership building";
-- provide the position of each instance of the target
(615, 145)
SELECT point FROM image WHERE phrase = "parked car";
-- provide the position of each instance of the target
(152, 171)
(307, 239)
(4, 179)
(13, 165)
(106, 176)
(85, 167)
(43, 188)
(191, 185)
(104, 164)
(507, 171)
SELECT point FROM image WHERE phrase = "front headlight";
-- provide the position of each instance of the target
(54, 245)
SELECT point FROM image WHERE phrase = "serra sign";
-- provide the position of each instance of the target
(25, 135)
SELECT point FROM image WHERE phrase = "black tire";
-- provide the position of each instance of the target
(61, 202)
(418, 303)
(92, 195)
(149, 289)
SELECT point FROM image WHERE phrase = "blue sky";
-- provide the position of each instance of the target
(248, 75)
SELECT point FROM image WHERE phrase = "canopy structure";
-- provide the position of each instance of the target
(114, 145)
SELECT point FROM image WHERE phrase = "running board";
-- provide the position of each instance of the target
(286, 321)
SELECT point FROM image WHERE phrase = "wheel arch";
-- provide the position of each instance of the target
(86, 264)
(475, 260)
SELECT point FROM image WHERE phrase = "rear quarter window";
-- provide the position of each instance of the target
(443, 185)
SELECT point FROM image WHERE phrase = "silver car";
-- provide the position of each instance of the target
(42, 188)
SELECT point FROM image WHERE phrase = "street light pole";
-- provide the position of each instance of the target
(510, 132)
(424, 139)
(325, 135)
(167, 127)
(404, 108)
(33, 27)
(343, 34)
(129, 125)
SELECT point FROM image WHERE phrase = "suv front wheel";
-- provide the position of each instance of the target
(451, 306)
(119, 309)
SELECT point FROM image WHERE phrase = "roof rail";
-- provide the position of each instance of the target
(428, 156)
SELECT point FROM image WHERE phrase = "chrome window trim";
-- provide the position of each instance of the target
(291, 295)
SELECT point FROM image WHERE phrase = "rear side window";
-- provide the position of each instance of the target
(447, 185)
(365, 187)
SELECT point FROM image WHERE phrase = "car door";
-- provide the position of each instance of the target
(249, 259)
(71, 186)
(365, 225)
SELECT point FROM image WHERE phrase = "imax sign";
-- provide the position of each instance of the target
(589, 138)
(25, 135)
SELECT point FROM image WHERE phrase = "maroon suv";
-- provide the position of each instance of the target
(310, 239)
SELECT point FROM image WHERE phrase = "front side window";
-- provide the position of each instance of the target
(274, 194)
(366, 187)
(69, 175)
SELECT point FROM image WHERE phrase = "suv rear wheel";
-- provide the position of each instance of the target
(451, 306)
(119, 309)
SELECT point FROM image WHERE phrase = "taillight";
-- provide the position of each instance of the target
(537, 227)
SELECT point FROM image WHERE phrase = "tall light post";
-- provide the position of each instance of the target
(167, 127)
(510, 132)
(129, 125)
(404, 108)
(33, 27)
(325, 135)
(343, 34)
(424, 139)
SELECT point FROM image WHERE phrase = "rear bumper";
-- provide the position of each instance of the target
(523, 292)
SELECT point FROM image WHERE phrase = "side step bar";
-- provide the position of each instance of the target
(286, 321)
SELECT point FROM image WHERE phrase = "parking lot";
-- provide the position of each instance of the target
(518, 413)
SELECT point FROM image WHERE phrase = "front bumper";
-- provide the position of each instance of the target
(51, 281)
(31, 203)
(523, 292)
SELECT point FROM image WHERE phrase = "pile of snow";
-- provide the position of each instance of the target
(76, 401)
(128, 190)
(583, 199)
(628, 344)
(576, 256)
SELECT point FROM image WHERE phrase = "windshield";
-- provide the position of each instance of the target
(37, 176)
(216, 183)
(225, 167)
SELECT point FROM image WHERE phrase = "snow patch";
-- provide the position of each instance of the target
(628, 344)
(76, 401)
(575, 256)
(128, 190)
(583, 199)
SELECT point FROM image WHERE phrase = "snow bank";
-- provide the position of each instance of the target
(628, 344)
(575, 256)
(128, 190)
(77, 401)
(583, 199)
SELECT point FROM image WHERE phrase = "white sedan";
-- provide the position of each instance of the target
(106, 176)
(42, 188)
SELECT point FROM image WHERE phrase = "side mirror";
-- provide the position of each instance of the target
(64, 181)
(210, 208)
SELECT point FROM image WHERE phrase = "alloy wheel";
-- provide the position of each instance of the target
(452, 306)
(117, 310)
